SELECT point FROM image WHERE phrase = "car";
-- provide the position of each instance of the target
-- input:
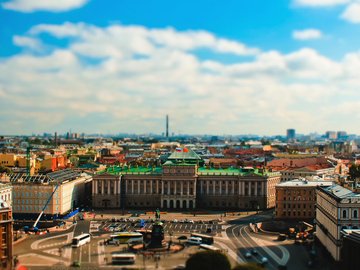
(248, 254)
(254, 251)
(194, 241)
(264, 260)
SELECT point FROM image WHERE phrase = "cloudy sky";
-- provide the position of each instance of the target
(216, 67)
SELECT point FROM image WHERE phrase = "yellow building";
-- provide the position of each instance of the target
(7, 160)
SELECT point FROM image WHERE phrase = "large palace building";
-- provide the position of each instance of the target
(183, 183)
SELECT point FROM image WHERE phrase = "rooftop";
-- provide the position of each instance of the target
(340, 192)
(184, 154)
(58, 176)
(305, 183)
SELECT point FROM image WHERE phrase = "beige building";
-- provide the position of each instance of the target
(337, 209)
(6, 193)
(184, 186)
(31, 193)
(308, 171)
(296, 199)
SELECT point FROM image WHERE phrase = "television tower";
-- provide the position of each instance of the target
(167, 126)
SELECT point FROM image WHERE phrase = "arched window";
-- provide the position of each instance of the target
(355, 214)
(344, 214)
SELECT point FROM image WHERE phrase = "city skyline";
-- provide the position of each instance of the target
(121, 66)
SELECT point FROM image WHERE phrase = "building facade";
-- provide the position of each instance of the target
(6, 234)
(64, 189)
(308, 171)
(337, 210)
(6, 193)
(184, 186)
(296, 199)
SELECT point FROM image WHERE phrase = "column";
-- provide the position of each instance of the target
(161, 203)
(207, 187)
(102, 187)
(108, 181)
(157, 186)
(213, 187)
(188, 188)
(201, 187)
(226, 188)
(138, 186)
(242, 187)
(256, 183)
(132, 186)
(93, 187)
(119, 183)
(175, 187)
(151, 187)
(220, 189)
(194, 203)
(168, 189)
(145, 184)
(262, 188)
(249, 188)
(181, 188)
(162, 188)
(233, 188)
(115, 187)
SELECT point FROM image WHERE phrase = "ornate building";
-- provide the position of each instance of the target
(181, 183)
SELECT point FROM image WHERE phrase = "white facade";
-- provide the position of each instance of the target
(338, 208)
(6, 193)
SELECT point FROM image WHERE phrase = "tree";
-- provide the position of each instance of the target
(354, 172)
(248, 266)
(209, 260)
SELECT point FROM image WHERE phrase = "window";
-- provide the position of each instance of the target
(344, 213)
(355, 214)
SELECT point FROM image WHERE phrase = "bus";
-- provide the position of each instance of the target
(80, 240)
(209, 247)
(125, 237)
(205, 239)
(123, 258)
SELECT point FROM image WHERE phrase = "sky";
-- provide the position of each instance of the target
(215, 67)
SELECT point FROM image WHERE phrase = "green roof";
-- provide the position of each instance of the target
(132, 170)
(184, 155)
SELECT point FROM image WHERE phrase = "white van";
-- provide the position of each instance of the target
(194, 241)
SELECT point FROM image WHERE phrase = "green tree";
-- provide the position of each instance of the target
(354, 172)
(248, 266)
(209, 260)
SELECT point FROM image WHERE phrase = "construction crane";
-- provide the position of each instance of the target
(43, 209)
(28, 158)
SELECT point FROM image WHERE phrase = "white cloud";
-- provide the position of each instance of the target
(27, 42)
(28, 6)
(126, 78)
(320, 3)
(307, 34)
(352, 13)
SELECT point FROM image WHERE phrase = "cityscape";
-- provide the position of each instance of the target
(179, 134)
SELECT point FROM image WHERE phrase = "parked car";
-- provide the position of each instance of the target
(264, 260)
(248, 254)
(254, 251)
(194, 241)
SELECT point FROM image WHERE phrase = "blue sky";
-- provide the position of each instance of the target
(120, 66)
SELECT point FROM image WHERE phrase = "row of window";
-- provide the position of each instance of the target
(346, 215)
(36, 201)
(30, 208)
(296, 205)
(37, 194)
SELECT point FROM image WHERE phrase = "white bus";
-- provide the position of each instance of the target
(125, 237)
(80, 240)
(209, 247)
(123, 258)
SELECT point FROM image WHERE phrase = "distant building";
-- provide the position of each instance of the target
(290, 134)
(341, 135)
(337, 209)
(296, 199)
(6, 236)
(322, 170)
(331, 135)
